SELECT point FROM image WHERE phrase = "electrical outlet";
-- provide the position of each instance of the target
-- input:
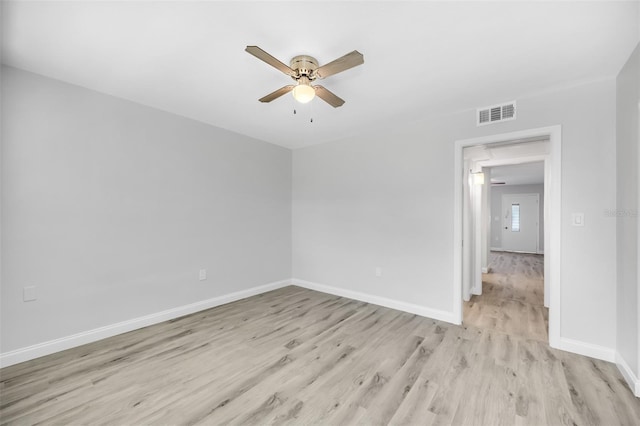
(378, 271)
(203, 274)
(29, 294)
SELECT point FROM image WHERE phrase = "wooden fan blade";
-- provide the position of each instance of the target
(275, 95)
(328, 97)
(349, 60)
(264, 56)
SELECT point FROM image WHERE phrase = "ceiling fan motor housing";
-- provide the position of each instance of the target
(305, 66)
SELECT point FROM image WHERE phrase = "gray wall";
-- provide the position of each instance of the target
(110, 208)
(385, 198)
(628, 98)
(496, 210)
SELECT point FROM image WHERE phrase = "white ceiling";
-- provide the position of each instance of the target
(420, 57)
(519, 174)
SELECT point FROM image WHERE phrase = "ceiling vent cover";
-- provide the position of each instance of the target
(496, 113)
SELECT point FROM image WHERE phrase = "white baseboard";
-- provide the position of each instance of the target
(68, 342)
(485, 270)
(496, 249)
(629, 376)
(377, 300)
(587, 349)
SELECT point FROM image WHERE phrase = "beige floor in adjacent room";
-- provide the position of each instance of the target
(296, 356)
(512, 299)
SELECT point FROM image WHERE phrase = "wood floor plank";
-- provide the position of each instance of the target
(353, 373)
(512, 299)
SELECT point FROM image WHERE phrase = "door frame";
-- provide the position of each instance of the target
(552, 220)
(537, 196)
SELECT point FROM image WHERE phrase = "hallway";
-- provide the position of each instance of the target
(512, 299)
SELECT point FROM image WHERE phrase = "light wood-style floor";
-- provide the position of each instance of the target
(512, 299)
(296, 356)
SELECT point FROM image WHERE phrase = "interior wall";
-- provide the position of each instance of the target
(496, 211)
(110, 208)
(377, 200)
(385, 199)
(626, 211)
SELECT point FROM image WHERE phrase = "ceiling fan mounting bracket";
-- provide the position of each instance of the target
(304, 65)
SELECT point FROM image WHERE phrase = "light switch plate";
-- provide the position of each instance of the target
(577, 219)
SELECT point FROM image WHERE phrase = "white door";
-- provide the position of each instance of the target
(520, 215)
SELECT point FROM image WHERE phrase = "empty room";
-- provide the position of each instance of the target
(329, 212)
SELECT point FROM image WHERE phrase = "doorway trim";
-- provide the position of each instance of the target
(552, 222)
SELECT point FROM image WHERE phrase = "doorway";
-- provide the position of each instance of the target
(468, 245)
(510, 299)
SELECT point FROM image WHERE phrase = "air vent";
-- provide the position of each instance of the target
(496, 113)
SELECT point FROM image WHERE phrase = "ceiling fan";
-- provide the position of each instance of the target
(304, 70)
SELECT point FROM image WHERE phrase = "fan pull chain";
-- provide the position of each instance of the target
(295, 112)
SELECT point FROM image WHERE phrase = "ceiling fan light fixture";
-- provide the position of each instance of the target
(304, 69)
(303, 92)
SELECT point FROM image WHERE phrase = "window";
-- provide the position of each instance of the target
(515, 217)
